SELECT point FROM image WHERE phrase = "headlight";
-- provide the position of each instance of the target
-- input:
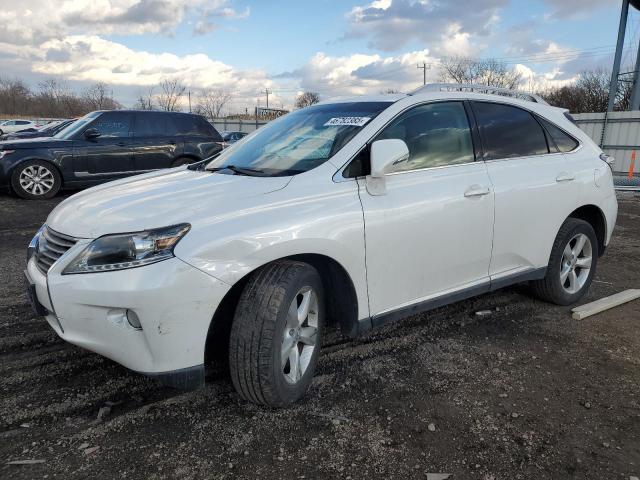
(129, 250)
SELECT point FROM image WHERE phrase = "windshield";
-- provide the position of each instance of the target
(298, 142)
(74, 127)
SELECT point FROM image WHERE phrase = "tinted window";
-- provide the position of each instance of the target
(113, 124)
(22, 122)
(509, 131)
(563, 141)
(188, 125)
(151, 124)
(436, 134)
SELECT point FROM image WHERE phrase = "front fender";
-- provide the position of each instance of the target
(306, 217)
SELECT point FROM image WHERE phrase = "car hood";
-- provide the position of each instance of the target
(158, 199)
(40, 142)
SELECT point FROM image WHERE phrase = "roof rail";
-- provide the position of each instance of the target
(459, 87)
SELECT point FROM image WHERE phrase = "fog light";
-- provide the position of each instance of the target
(133, 320)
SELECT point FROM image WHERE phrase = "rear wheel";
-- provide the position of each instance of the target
(572, 264)
(35, 179)
(276, 333)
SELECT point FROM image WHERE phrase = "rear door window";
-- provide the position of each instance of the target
(508, 131)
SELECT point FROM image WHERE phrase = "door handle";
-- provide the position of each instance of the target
(565, 177)
(120, 144)
(476, 191)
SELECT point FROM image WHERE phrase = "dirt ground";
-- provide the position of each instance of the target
(524, 393)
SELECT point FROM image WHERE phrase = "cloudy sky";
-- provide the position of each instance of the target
(334, 47)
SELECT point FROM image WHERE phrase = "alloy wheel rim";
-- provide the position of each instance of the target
(577, 259)
(299, 339)
(36, 179)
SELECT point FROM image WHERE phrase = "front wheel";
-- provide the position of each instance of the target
(36, 179)
(276, 333)
(572, 264)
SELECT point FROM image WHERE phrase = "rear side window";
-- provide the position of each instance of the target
(508, 131)
(563, 141)
(151, 124)
(192, 125)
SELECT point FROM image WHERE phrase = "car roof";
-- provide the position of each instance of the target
(147, 111)
(444, 95)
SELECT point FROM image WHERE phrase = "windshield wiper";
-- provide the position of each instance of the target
(251, 172)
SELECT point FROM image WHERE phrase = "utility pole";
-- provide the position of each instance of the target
(613, 87)
(424, 68)
(267, 91)
(189, 92)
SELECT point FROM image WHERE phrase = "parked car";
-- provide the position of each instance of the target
(103, 146)
(229, 138)
(48, 130)
(355, 212)
(10, 126)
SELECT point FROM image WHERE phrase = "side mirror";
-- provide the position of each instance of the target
(385, 154)
(90, 133)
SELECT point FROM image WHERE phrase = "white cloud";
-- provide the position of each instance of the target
(577, 8)
(390, 25)
(361, 74)
(33, 21)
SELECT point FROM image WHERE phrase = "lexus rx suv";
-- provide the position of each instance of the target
(103, 146)
(355, 212)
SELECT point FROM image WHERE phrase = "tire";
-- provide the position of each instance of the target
(180, 161)
(263, 363)
(46, 180)
(569, 273)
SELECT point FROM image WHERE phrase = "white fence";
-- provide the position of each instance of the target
(617, 133)
(229, 125)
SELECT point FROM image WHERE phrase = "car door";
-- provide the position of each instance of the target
(108, 155)
(430, 234)
(155, 141)
(531, 185)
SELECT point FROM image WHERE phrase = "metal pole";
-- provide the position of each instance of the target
(635, 92)
(613, 86)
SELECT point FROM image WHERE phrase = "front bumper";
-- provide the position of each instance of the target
(174, 302)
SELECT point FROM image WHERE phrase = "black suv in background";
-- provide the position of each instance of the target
(103, 146)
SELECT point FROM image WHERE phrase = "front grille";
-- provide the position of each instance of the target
(51, 246)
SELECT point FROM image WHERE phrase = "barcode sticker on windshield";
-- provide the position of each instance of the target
(350, 121)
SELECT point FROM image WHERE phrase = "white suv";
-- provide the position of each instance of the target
(356, 211)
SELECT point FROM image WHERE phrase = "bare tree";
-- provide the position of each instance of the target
(589, 93)
(169, 97)
(307, 98)
(15, 96)
(389, 91)
(145, 100)
(489, 72)
(211, 102)
(97, 97)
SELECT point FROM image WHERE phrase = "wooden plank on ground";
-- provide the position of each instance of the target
(605, 303)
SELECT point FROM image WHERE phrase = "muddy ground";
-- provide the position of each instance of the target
(523, 393)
